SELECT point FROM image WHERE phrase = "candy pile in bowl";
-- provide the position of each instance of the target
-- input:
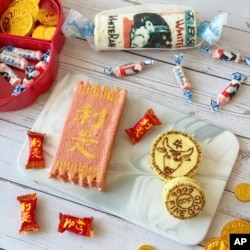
(30, 41)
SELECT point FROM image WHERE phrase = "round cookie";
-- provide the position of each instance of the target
(183, 198)
(173, 154)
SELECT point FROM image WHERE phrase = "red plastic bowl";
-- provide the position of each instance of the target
(45, 80)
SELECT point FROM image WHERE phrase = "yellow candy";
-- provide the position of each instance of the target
(146, 247)
(216, 244)
(43, 32)
(49, 33)
(28, 5)
(17, 21)
(235, 227)
(47, 17)
(242, 192)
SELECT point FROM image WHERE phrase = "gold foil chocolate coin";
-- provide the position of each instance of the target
(17, 21)
(48, 17)
(28, 5)
(242, 192)
(38, 32)
(44, 32)
(146, 247)
(235, 227)
(49, 33)
(216, 244)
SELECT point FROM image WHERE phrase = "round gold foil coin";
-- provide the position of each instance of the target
(49, 33)
(48, 17)
(28, 5)
(38, 32)
(234, 227)
(17, 21)
(216, 244)
(146, 247)
(242, 192)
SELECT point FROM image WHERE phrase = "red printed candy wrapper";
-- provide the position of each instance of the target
(28, 207)
(80, 226)
(142, 126)
(36, 159)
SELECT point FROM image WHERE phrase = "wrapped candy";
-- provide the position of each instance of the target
(36, 159)
(26, 53)
(18, 89)
(144, 26)
(13, 59)
(224, 55)
(80, 226)
(9, 75)
(128, 69)
(229, 91)
(34, 71)
(28, 208)
(181, 78)
(142, 126)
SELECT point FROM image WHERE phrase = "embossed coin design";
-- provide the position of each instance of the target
(173, 154)
(183, 197)
(17, 21)
(234, 227)
(216, 244)
(47, 17)
(242, 192)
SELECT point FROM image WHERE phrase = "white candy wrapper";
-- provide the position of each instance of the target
(144, 27)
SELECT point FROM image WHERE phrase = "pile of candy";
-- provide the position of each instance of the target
(25, 18)
(22, 59)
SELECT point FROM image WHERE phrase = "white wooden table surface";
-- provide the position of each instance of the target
(208, 77)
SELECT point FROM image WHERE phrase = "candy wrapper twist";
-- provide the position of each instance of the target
(147, 26)
(229, 91)
(128, 69)
(224, 55)
(181, 78)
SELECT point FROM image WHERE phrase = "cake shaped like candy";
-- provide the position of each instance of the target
(88, 135)
(184, 198)
(173, 154)
(152, 27)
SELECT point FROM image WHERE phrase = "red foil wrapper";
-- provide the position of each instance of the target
(142, 126)
(80, 226)
(28, 207)
(36, 159)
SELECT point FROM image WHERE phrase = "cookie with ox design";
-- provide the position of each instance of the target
(184, 198)
(175, 153)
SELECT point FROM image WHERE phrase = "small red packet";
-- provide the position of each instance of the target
(142, 126)
(28, 207)
(80, 226)
(36, 159)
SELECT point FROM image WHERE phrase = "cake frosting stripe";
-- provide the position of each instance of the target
(88, 135)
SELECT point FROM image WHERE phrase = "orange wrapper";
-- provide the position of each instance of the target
(80, 226)
(28, 207)
(36, 159)
(142, 126)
